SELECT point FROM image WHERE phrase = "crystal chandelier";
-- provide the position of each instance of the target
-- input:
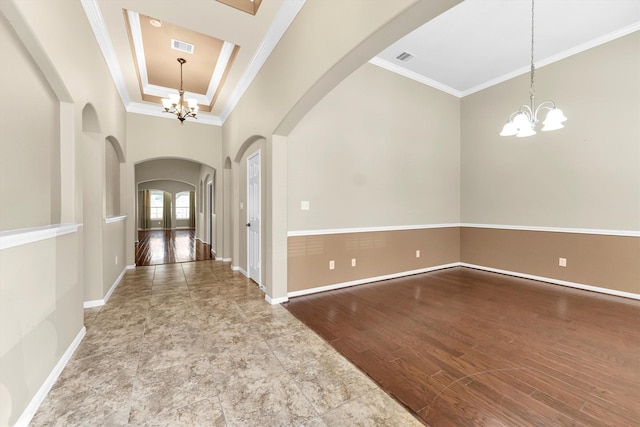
(523, 122)
(175, 104)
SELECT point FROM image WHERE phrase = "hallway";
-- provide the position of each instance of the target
(195, 344)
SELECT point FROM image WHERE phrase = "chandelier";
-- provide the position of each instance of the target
(175, 104)
(523, 121)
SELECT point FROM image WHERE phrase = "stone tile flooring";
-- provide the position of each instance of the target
(196, 344)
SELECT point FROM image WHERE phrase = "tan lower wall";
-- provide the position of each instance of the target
(377, 254)
(605, 261)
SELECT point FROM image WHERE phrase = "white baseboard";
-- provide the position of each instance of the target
(223, 259)
(369, 280)
(464, 264)
(555, 281)
(275, 301)
(103, 301)
(44, 389)
(240, 269)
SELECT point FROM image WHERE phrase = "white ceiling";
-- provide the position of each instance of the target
(479, 43)
(474, 45)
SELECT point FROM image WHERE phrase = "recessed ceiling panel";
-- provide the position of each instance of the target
(157, 45)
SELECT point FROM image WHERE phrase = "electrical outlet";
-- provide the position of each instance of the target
(304, 205)
(417, 253)
(562, 262)
(332, 265)
(353, 262)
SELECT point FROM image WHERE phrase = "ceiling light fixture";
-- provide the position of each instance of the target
(155, 22)
(523, 122)
(175, 104)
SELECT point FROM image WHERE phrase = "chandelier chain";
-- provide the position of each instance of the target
(532, 89)
(523, 121)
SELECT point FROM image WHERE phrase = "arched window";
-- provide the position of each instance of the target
(156, 205)
(182, 205)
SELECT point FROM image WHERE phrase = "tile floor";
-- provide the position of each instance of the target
(195, 344)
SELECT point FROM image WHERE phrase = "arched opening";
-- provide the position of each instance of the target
(114, 160)
(176, 187)
(90, 121)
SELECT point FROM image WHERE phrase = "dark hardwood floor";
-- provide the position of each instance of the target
(462, 347)
(170, 246)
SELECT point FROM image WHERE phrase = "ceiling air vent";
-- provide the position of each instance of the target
(182, 46)
(404, 56)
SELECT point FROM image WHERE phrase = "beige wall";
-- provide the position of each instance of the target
(305, 65)
(40, 315)
(114, 254)
(378, 150)
(586, 175)
(29, 177)
(112, 180)
(60, 171)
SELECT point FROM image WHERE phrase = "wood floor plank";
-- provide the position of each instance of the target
(467, 347)
(155, 247)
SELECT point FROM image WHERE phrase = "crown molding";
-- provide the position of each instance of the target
(395, 68)
(92, 10)
(283, 19)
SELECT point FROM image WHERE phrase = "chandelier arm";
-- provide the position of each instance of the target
(546, 105)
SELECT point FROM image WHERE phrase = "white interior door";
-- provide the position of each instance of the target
(253, 216)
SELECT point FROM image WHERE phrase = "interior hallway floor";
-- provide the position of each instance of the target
(196, 344)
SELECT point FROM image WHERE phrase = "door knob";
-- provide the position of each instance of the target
(248, 224)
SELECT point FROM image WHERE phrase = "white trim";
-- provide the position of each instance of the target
(597, 289)
(369, 280)
(395, 68)
(555, 58)
(92, 10)
(24, 236)
(240, 269)
(44, 389)
(628, 233)
(154, 110)
(224, 259)
(368, 229)
(283, 19)
(111, 219)
(103, 301)
(221, 67)
(554, 281)
(275, 301)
